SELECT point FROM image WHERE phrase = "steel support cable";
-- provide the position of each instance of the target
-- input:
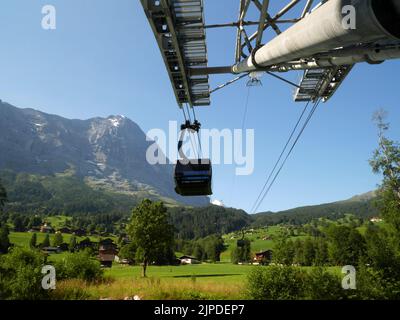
(188, 118)
(246, 107)
(228, 83)
(194, 145)
(281, 155)
(315, 106)
(198, 133)
(191, 133)
(184, 114)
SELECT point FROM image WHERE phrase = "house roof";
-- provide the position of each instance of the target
(187, 257)
(263, 252)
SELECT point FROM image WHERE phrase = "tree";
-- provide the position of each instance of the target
(33, 241)
(128, 252)
(346, 245)
(151, 231)
(3, 197)
(198, 251)
(213, 246)
(242, 253)
(321, 252)
(18, 224)
(72, 244)
(46, 241)
(381, 252)
(58, 239)
(34, 221)
(284, 251)
(4, 239)
(386, 160)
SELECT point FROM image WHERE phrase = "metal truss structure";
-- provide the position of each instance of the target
(299, 39)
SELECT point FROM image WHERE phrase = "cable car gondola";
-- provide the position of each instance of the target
(193, 177)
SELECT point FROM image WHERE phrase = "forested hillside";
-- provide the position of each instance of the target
(362, 206)
(65, 194)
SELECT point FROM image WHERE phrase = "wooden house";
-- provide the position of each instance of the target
(188, 260)
(107, 252)
(263, 257)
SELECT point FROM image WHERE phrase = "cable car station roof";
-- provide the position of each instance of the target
(178, 26)
(327, 54)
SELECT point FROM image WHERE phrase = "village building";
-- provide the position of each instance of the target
(263, 257)
(65, 230)
(79, 232)
(107, 252)
(51, 250)
(188, 260)
(46, 228)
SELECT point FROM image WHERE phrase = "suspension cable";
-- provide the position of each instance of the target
(246, 107)
(198, 133)
(184, 113)
(281, 155)
(265, 191)
(194, 146)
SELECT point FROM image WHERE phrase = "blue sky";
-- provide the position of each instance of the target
(103, 60)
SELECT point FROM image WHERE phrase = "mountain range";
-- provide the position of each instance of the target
(52, 165)
(105, 154)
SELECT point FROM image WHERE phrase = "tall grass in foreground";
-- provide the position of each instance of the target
(152, 288)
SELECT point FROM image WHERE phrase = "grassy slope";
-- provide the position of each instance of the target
(256, 237)
(22, 239)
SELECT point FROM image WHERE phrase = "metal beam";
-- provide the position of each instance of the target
(320, 31)
(282, 12)
(263, 16)
(210, 70)
(307, 8)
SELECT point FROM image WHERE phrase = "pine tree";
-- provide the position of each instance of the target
(3, 197)
(4, 239)
(72, 244)
(46, 241)
(58, 239)
(33, 241)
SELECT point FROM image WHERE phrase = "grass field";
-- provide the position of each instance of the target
(220, 281)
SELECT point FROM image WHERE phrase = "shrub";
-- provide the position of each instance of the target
(79, 266)
(293, 283)
(323, 285)
(276, 283)
(372, 284)
(21, 276)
